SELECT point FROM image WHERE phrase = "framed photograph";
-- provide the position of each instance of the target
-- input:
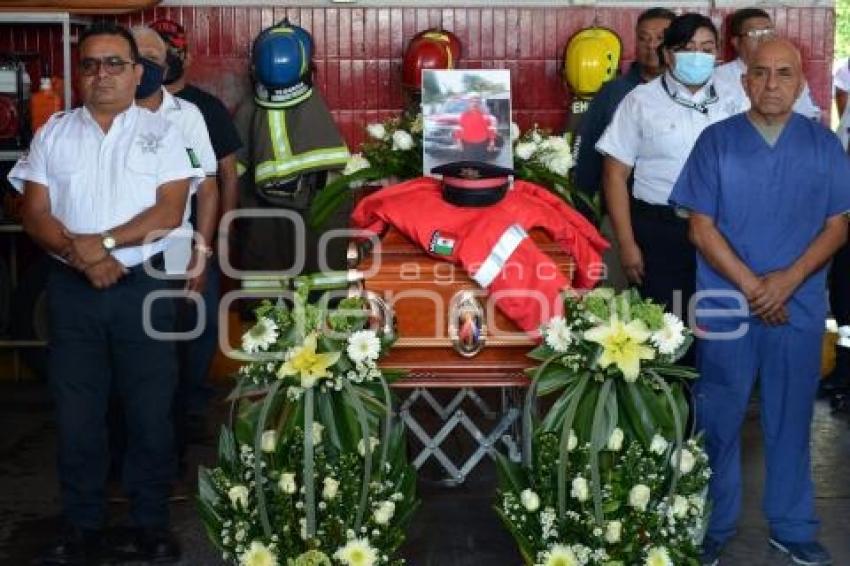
(466, 117)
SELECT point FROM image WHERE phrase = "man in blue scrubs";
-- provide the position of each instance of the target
(767, 192)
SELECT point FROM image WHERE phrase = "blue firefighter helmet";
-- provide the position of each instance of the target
(280, 58)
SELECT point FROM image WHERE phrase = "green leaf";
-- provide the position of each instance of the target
(512, 475)
(228, 454)
(552, 379)
(541, 353)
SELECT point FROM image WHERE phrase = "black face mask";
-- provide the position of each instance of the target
(151, 78)
(175, 68)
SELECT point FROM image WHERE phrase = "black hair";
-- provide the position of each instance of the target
(682, 30)
(737, 19)
(109, 28)
(656, 14)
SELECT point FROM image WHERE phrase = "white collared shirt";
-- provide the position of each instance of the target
(190, 122)
(653, 133)
(727, 78)
(97, 181)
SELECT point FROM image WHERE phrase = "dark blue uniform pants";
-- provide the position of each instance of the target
(787, 363)
(98, 342)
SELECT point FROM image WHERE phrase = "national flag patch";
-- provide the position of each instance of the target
(442, 243)
(193, 159)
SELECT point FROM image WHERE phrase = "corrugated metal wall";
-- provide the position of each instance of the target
(358, 50)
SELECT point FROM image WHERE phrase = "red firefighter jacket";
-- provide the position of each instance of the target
(491, 243)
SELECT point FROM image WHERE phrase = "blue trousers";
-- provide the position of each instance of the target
(97, 344)
(787, 363)
(196, 355)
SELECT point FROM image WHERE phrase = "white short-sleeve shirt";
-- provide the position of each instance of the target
(653, 133)
(189, 120)
(97, 181)
(841, 75)
(727, 77)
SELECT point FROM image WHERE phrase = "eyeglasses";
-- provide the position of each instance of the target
(759, 34)
(114, 65)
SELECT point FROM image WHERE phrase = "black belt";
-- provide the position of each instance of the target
(474, 197)
(660, 212)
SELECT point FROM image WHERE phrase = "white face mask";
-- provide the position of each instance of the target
(693, 68)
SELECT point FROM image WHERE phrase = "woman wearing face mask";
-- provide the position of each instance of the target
(651, 135)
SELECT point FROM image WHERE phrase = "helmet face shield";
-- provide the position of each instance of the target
(591, 58)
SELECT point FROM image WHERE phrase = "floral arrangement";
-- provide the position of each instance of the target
(312, 473)
(609, 475)
(393, 150)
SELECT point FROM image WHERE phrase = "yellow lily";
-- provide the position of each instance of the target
(309, 366)
(622, 345)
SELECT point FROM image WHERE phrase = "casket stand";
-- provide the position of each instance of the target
(450, 337)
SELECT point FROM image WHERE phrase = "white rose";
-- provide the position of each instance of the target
(572, 442)
(355, 163)
(515, 133)
(615, 442)
(384, 512)
(639, 497)
(688, 461)
(658, 445)
(377, 131)
(559, 163)
(330, 488)
(361, 446)
(580, 489)
(530, 500)
(238, 495)
(535, 135)
(402, 140)
(556, 144)
(318, 429)
(269, 441)
(613, 532)
(680, 506)
(524, 150)
(286, 483)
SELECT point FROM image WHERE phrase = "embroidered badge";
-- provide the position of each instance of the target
(193, 159)
(150, 143)
(442, 244)
(469, 173)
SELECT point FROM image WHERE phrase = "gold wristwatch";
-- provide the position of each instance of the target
(108, 241)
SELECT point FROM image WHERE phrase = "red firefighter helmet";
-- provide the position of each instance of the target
(442, 36)
(430, 49)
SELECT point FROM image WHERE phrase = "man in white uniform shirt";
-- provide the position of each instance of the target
(97, 181)
(749, 26)
(181, 257)
(652, 133)
(184, 256)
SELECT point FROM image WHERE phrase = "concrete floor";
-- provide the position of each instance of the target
(454, 527)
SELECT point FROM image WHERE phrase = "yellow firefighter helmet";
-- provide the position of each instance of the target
(591, 59)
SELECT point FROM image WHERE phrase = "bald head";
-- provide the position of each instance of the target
(151, 45)
(774, 79)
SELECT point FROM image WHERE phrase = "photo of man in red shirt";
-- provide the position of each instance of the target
(477, 132)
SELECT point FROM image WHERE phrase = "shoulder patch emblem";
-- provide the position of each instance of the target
(442, 243)
(193, 159)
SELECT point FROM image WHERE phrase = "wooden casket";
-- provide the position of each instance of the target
(434, 303)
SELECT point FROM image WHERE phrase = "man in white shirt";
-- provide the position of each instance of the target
(651, 134)
(749, 26)
(841, 84)
(98, 182)
(183, 257)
